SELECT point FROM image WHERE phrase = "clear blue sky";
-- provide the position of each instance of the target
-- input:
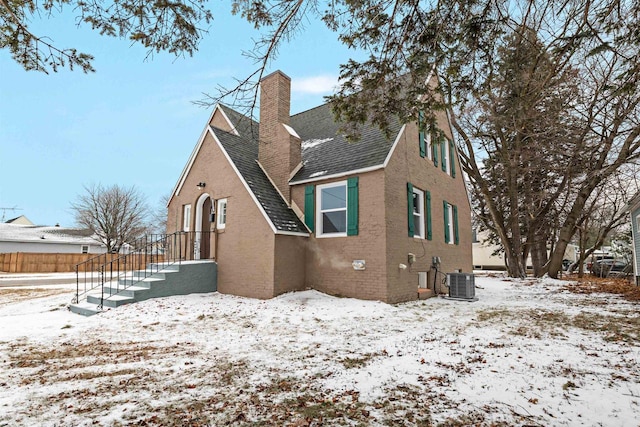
(132, 122)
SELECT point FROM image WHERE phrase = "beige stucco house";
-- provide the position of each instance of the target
(288, 204)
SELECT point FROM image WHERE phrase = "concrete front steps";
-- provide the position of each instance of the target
(188, 277)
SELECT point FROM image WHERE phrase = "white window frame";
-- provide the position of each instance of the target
(221, 214)
(447, 155)
(452, 234)
(638, 224)
(428, 147)
(419, 234)
(320, 232)
(186, 217)
(82, 249)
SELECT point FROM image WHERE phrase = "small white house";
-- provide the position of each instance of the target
(44, 239)
(21, 220)
(484, 257)
(488, 256)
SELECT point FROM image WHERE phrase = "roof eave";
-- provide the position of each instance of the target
(337, 175)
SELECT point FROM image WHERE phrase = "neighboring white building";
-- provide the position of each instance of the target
(483, 254)
(484, 258)
(21, 220)
(44, 239)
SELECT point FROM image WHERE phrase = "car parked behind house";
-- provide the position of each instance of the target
(608, 267)
(594, 259)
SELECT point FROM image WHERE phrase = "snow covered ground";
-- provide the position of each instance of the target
(527, 353)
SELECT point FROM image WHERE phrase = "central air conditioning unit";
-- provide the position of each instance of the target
(462, 286)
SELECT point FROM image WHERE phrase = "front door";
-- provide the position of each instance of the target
(205, 233)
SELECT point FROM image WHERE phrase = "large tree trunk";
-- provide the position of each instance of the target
(515, 267)
(539, 254)
(569, 228)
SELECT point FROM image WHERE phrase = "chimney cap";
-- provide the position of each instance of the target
(272, 74)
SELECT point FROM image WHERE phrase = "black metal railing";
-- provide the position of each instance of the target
(141, 259)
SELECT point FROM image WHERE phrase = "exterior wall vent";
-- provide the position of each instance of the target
(462, 286)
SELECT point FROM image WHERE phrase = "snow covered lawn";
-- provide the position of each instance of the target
(527, 353)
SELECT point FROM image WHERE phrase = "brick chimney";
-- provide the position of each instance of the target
(279, 150)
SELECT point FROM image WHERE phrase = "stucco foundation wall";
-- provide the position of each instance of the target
(289, 263)
(245, 245)
(329, 260)
(405, 166)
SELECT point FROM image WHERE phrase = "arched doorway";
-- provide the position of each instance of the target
(202, 239)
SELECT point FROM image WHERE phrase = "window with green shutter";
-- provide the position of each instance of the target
(337, 213)
(444, 149)
(455, 225)
(421, 135)
(452, 157)
(445, 207)
(415, 214)
(352, 206)
(434, 146)
(429, 226)
(309, 208)
(450, 223)
(410, 207)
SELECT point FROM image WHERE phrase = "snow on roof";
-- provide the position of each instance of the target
(315, 174)
(45, 234)
(310, 143)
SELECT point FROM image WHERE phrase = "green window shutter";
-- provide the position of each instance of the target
(423, 145)
(352, 206)
(455, 225)
(452, 158)
(428, 210)
(434, 146)
(309, 206)
(445, 207)
(410, 207)
(443, 147)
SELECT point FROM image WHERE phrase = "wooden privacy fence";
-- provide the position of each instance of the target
(28, 262)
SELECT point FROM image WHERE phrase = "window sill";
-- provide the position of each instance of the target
(330, 235)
